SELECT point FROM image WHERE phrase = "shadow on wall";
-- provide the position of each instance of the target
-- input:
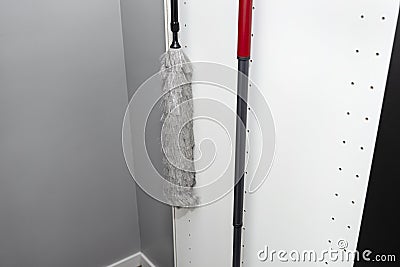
(143, 47)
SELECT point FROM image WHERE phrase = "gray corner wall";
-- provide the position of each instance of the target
(144, 42)
(66, 196)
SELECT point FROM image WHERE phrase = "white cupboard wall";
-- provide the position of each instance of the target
(322, 68)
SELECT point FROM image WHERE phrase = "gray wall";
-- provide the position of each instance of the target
(66, 197)
(144, 42)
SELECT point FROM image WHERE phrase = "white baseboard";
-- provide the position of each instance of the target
(135, 260)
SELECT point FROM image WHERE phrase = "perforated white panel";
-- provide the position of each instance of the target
(322, 66)
(203, 235)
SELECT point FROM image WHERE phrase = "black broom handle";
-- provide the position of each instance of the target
(174, 24)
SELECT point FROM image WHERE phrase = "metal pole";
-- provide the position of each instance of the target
(243, 55)
(241, 122)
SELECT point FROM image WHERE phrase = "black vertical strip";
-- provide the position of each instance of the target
(380, 225)
(240, 151)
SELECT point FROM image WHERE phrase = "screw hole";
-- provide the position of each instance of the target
(333, 218)
(344, 142)
(353, 202)
(366, 118)
(362, 16)
(377, 54)
(357, 51)
(348, 226)
(348, 113)
(352, 83)
(383, 18)
(357, 176)
(362, 148)
(336, 194)
(371, 87)
(340, 168)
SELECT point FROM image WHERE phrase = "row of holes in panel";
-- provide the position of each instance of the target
(250, 85)
(336, 195)
(189, 234)
(247, 152)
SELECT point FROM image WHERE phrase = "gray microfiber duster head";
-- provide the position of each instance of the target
(177, 138)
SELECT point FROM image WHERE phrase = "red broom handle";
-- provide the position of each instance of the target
(244, 29)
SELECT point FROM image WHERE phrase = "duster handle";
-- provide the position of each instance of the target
(244, 28)
(174, 24)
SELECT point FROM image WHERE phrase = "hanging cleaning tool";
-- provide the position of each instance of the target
(177, 138)
(243, 56)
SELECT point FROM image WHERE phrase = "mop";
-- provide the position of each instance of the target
(177, 138)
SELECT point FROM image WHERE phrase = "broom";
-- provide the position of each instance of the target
(177, 138)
